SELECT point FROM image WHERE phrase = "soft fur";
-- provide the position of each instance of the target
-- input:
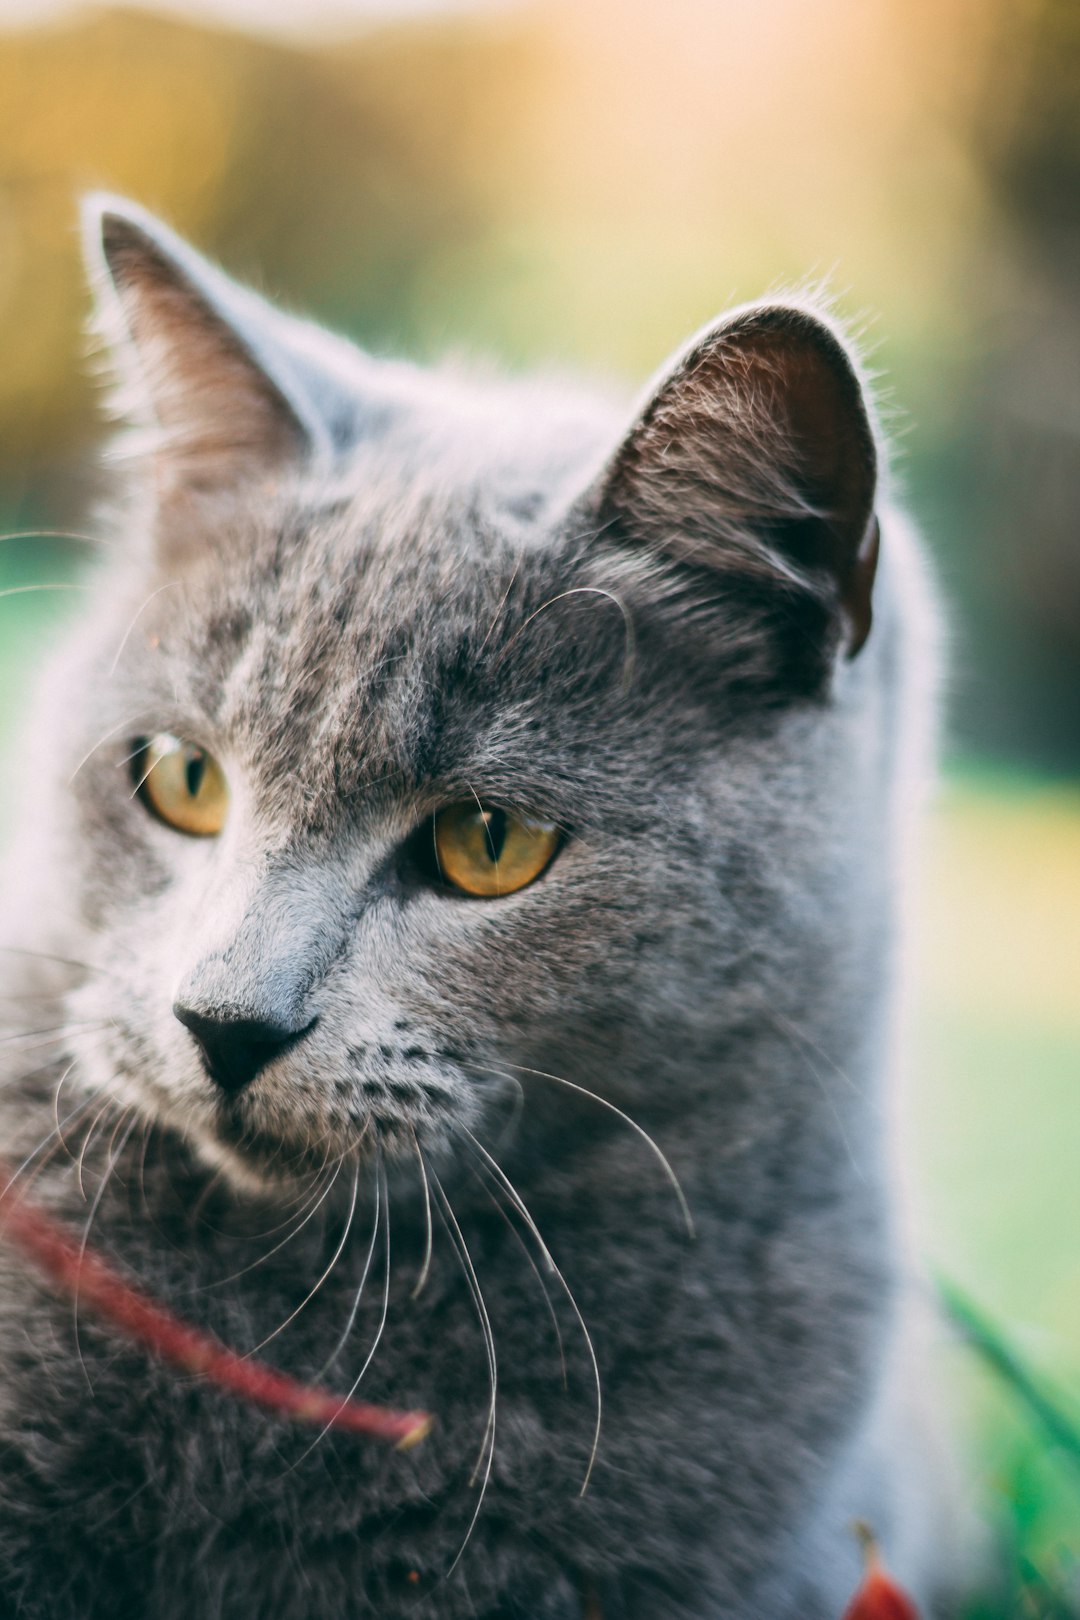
(370, 592)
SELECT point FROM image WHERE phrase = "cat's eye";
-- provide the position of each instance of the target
(182, 785)
(488, 852)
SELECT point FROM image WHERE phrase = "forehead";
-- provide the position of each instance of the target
(402, 641)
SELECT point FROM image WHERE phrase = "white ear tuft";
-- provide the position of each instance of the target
(203, 401)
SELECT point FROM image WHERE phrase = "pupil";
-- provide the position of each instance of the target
(195, 770)
(495, 831)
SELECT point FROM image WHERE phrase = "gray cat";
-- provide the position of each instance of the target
(450, 940)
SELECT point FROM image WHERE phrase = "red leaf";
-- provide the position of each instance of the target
(879, 1597)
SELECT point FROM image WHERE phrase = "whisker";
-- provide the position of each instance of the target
(358, 1296)
(808, 1049)
(523, 1246)
(487, 1444)
(26, 994)
(32, 590)
(112, 1159)
(56, 1094)
(47, 956)
(630, 645)
(170, 584)
(800, 1038)
(584, 1091)
(303, 1200)
(382, 1198)
(334, 1258)
(127, 759)
(57, 1032)
(425, 1265)
(526, 1215)
(56, 534)
(381, 1328)
(55, 1136)
(122, 725)
(501, 606)
(98, 1117)
(220, 1282)
(144, 1148)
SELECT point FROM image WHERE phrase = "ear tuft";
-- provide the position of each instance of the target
(210, 413)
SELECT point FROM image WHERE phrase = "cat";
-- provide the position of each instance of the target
(450, 938)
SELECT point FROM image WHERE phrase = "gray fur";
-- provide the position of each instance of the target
(383, 592)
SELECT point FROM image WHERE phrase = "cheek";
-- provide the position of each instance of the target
(479, 969)
(119, 869)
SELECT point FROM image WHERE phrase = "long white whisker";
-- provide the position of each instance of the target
(383, 1199)
(294, 1231)
(487, 1444)
(85, 1144)
(807, 1049)
(56, 534)
(129, 720)
(381, 1328)
(56, 1093)
(334, 1258)
(535, 1269)
(48, 956)
(112, 1159)
(359, 1294)
(594, 1096)
(630, 652)
(30, 590)
(526, 1215)
(56, 1135)
(502, 604)
(425, 1265)
(170, 584)
(54, 1035)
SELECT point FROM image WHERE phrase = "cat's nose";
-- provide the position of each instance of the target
(236, 1048)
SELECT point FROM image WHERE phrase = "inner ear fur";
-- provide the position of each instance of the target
(755, 454)
(210, 417)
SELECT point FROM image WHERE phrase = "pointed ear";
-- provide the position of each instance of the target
(755, 455)
(210, 376)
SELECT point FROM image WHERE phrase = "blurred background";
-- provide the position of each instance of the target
(580, 183)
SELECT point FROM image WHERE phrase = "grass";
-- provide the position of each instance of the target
(991, 1137)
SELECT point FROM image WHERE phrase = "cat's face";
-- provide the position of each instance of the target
(424, 732)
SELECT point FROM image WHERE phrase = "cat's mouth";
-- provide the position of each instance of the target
(285, 1127)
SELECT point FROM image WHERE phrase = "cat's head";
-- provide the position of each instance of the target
(429, 733)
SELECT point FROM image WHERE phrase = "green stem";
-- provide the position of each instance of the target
(998, 1354)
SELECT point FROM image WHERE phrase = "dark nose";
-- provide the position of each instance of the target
(235, 1048)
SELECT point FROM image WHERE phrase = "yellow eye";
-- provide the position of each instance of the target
(489, 852)
(183, 785)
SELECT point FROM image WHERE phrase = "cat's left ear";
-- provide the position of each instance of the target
(222, 388)
(754, 458)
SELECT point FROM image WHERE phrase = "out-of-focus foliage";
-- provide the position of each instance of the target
(990, 1126)
(1020, 476)
(581, 182)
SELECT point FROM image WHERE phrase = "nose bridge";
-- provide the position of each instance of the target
(272, 942)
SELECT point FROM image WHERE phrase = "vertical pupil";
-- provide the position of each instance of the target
(194, 771)
(495, 832)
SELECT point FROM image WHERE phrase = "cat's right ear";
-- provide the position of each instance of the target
(221, 389)
(751, 469)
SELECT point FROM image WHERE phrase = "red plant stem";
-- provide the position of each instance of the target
(45, 1241)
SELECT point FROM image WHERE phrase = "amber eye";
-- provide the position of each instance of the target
(183, 785)
(489, 852)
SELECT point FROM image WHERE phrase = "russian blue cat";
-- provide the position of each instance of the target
(449, 953)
